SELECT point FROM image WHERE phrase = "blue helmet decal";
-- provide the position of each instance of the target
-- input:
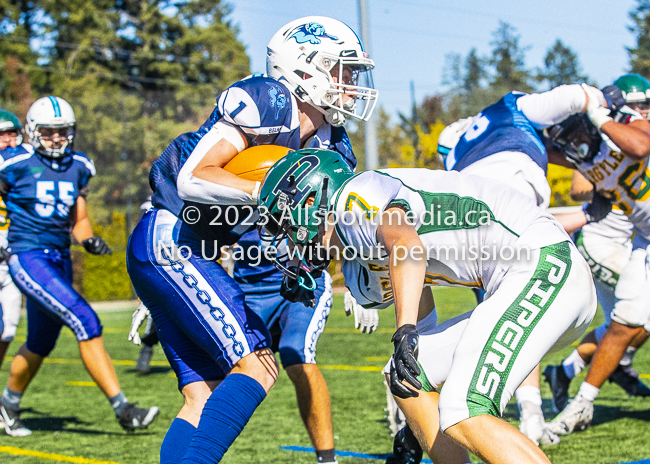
(312, 33)
(278, 99)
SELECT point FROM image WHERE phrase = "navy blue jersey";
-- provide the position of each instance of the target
(499, 127)
(266, 113)
(40, 193)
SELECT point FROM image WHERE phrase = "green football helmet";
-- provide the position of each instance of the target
(634, 87)
(294, 201)
(10, 122)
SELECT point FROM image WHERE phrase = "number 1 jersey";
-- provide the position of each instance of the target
(39, 193)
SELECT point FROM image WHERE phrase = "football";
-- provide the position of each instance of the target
(252, 163)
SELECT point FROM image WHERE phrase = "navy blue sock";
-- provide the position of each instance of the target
(176, 441)
(224, 416)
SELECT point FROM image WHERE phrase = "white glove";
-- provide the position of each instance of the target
(138, 317)
(596, 97)
(365, 319)
(599, 116)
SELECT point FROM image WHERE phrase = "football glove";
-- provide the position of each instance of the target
(597, 209)
(138, 317)
(614, 97)
(596, 97)
(365, 319)
(97, 246)
(404, 365)
(599, 116)
(4, 255)
(291, 289)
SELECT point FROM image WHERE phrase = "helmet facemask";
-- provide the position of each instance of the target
(576, 138)
(66, 136)
(306, 258)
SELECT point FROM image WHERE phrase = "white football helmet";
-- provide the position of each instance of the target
(50, 112)
(450, 136)
(304, 53)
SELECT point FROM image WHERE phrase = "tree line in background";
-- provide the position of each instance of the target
(140, 72)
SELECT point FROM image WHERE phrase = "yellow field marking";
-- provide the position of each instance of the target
(52, 457)
(644, 376)
(81, 384)
(20, 339)
(378, 358)
(351, 368)
(117, 362)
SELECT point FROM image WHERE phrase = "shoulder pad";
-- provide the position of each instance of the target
(257, 102)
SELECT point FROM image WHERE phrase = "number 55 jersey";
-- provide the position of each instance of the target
(39, 193)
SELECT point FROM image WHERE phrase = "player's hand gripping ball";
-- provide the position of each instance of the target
(253, 163)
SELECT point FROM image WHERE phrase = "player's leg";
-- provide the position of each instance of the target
(46, 277)
(42, 332)
(207, 306)
(301, 328)
(505, 338)
(437, 346)
(424, 422)
(629, 315)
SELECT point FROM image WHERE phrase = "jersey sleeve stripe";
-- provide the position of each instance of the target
(14, 160)
(89, 164)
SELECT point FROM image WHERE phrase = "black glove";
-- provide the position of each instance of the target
(405, 362)
(613, 97)
(96, 246)
(4, 256)
(598, 208)
(292, 291)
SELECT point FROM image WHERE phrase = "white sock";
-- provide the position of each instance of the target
(529, 393)
(628, 357)
(588, 392)
(573, 364)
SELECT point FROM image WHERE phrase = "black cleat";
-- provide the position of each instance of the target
(406, 449)
(628, 379)
(132, 418)
(559, 383)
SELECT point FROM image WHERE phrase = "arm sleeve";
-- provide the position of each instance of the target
(192, 188)
(552, 107)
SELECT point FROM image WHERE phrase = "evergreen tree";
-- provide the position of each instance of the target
(561, 66)
(508, 60)
(640, 55)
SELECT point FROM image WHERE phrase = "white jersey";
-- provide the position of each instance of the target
(624, 180)
(466, 224)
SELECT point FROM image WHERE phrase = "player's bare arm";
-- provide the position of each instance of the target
(81, 228)
(581, 188)
(633, 138)
(406, 273)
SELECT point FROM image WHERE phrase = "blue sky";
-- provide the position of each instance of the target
(410, 38)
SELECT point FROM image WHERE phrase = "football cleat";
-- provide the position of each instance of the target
(144, 359)
(628, 379)
(132, 418)
(12, 423)
(406, 449)
(533, 426)
(576, 416)
(559, 383)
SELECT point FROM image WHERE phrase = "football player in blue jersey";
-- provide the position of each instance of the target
(44, 185)
(217, 344)
(11, 135)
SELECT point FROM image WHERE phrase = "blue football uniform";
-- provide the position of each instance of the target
(39, 193)
(499, 127)
(204, 324)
